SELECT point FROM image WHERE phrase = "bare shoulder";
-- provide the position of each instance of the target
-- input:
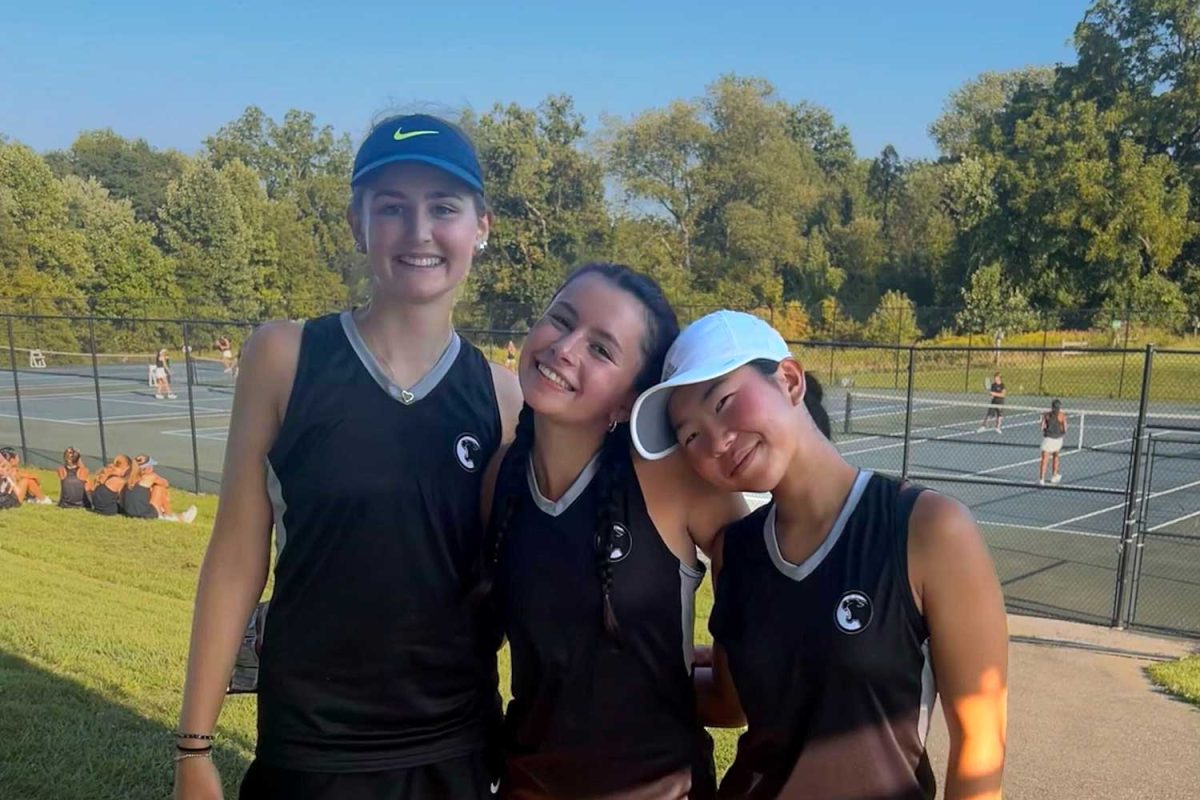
(944, 538)
(271, 343)
(508, 398)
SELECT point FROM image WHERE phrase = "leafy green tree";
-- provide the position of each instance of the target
(548, 196)
(211, 244)
(894, 321)
(656, 157)
(973, 109)
(815, 128)
(129, 168)
(992, 305)
(884, 183)
(129, 274)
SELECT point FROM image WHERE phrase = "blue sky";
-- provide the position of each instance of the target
(173, 73)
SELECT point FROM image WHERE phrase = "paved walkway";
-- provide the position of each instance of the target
(1085, 722)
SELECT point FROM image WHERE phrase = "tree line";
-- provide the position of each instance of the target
(1057, 189)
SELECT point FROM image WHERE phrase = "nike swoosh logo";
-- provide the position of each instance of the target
(401, 135)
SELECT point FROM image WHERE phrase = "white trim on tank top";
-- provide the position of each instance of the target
(419, 390)
(799, 572)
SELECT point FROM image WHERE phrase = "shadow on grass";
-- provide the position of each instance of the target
(61, 741)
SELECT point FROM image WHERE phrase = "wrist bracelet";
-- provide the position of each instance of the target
(183, 749)
(204, 737)
(185, 756)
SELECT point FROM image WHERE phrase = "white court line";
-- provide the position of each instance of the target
(47, 419)
(162, 417)
(160, 404)
(1153, 495)
(973, 429)
(1092, 534)
(1173, 521)
(1039, 458)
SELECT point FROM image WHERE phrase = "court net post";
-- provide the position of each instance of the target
(96, 385)
(1129, 523)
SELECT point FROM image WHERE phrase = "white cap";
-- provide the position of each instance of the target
(710, 347)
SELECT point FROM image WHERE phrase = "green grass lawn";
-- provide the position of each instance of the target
(1181, 678)
(95, 614)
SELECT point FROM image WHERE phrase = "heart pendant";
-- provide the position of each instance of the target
(406, 396)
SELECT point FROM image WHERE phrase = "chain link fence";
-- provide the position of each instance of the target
(1108, 532)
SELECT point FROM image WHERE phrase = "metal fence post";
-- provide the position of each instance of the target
(908, 409)
(12, 362)
(1042, 365)
(1128, 529)
(1124, 355)
(967, 375)
(187, 354)
(896, 357)
(96, 383)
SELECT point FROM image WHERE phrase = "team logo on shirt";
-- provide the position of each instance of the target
(853, 612)
(466, 450)
(621, 544)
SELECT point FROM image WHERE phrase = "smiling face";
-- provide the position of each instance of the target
(736, 431)
(420, 227)
(581, 359)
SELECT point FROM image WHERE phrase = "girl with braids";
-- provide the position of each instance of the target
(593, 555)
(841, 599)
(360, 439)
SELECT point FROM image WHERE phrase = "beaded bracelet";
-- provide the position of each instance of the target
(184, 756)
(204, 737)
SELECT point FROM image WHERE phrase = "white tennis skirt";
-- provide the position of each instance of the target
(1050, 445)
(160, 374)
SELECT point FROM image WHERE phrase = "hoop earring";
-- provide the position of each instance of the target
(612, 426)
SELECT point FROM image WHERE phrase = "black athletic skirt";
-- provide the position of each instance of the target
(463, 778)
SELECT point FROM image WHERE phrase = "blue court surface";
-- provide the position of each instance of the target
(1056, 550)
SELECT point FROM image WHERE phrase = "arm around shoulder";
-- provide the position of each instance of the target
(508, 398)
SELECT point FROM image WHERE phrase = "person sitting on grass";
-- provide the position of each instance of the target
(28, 486)
(108, 493)
(146, 495)
(1054, 430)
(8, 487)
(73, 479)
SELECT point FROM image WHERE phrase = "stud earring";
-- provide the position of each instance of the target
(479, 248)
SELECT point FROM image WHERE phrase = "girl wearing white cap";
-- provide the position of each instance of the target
(841, 599)
(593, 559)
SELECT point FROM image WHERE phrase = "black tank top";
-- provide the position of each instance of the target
(830, 657)
(105, 501)
(72, 493)
(137, 503)
(588, 716)
(370, 660)
(1054, 426)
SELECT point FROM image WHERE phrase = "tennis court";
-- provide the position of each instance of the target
(66, 399)
(1057, 547)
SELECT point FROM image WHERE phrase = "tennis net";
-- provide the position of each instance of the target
(124, 367)
(883, 415)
